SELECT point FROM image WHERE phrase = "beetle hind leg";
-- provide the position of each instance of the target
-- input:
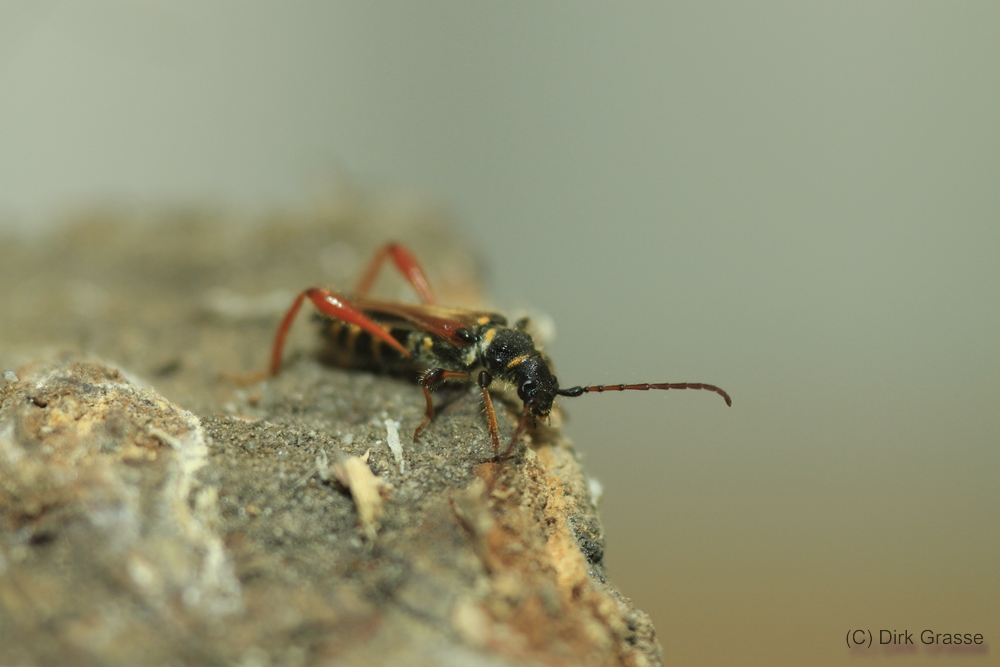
(336, 306)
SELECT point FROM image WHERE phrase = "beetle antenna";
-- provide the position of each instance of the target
(579, 391)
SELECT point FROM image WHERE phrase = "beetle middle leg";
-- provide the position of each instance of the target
(429, 380)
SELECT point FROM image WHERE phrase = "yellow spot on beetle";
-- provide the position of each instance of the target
(516, 360)
(353, 331)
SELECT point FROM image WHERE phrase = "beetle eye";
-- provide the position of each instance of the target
(526, 390)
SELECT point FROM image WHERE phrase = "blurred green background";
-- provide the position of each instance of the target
(799, 202)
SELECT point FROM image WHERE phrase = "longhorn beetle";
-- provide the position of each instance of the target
(444, 344)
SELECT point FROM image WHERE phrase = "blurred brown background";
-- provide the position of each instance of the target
(799, 203)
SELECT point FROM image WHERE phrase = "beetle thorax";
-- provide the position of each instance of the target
(511, 355)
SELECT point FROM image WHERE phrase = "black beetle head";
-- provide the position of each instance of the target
(536, 386)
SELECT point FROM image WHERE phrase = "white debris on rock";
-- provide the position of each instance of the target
(596, 490)
(392, 439)
(366, 490)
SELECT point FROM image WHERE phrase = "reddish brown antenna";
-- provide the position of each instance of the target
(579, 391)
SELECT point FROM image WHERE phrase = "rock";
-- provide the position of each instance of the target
(202, 522)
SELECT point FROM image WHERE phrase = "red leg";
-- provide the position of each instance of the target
(491, 415)
(332, 304)
(484, 381)
(407, 265)
(525, 415)
(428, 380)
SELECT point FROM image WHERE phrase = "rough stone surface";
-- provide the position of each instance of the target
(153, 511)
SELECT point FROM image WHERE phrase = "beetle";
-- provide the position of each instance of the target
(442, 344)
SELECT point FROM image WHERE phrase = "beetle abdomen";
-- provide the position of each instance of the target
(350, 345)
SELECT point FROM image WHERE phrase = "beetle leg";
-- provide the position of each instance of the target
(407, 265)
(428, 380)
(334, 305)
(525, 414)
(484, 381)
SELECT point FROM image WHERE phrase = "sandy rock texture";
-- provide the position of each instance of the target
(157, 509)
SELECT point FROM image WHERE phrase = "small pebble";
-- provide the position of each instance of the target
(10, 376)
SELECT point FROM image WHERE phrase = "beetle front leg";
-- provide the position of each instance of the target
(525, 415)
(484, 381)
